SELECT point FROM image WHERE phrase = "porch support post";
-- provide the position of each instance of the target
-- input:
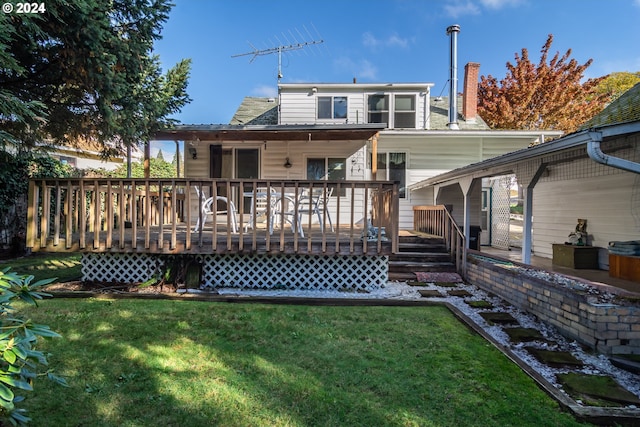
(527, 211)
(147, 156)
(465, 186)
(177, 158)
(374, 156)
(527, 224)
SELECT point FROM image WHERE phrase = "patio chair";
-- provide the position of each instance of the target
(315, 204)
(284, 209)
(260, 206)
(208, 207)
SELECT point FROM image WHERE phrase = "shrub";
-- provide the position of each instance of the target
(19, 360)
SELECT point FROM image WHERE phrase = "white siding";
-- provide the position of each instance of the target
(606, 202)
(299, 105)
(273, 155)
(428, 156)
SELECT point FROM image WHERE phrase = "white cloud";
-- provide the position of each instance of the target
(394, 40)
(265, 91)
(457, 9)
(499, 4)
(360, 69)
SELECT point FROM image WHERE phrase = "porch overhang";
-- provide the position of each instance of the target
(270, 132)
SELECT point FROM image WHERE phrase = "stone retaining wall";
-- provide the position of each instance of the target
(608, 327)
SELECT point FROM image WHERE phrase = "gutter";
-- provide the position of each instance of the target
(596, 154)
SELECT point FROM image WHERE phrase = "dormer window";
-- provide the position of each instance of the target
(332, 107)
(378, 109)
(405, 111)
(396, 110)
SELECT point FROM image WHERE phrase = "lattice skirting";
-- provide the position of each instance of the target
(122, 268)
(295, 272)
(309, 272)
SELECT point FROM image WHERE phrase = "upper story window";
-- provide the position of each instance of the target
(405, 111)
(378, 111)
(332, 107)
(397, 111)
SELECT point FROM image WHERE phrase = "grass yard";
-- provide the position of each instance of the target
(64, 266)
(179, 363)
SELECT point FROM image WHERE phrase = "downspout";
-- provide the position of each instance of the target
(596, 154)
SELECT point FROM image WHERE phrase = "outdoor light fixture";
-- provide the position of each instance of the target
(287, 163)
(193, 152)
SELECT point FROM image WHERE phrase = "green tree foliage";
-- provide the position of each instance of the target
(160, 156)
(158, 168)
(615, 84)
(15, 173)
(19, 359)
(548, 95)
(84, 70)
(17, 170)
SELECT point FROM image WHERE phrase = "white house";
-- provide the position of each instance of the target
(592, 174)
(417, 140)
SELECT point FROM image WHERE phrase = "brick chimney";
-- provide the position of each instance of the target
(470, 94)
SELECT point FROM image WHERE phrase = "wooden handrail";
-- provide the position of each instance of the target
(158, 215)
(437, 220)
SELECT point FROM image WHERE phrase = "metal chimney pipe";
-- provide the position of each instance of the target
(453, 31)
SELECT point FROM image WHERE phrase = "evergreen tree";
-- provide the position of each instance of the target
(86, 70)
(548, 95)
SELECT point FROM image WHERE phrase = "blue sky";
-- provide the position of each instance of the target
(380, 41)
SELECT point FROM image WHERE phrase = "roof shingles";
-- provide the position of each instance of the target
(623, 110)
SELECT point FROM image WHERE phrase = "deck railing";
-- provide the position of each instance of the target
(438, 221)
(159, 215)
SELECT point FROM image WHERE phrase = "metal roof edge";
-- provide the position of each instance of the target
(570, 141)
(223, 127)
(473, 132)
(355, 85)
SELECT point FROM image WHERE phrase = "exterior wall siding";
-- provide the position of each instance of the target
(607, 202)
(299, 106)
(272, 158)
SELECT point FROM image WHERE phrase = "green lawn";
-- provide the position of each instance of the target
(65, 267)
(187, 363)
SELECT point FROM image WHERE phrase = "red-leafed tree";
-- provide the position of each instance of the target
(549, 95)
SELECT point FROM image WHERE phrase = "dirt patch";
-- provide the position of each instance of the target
(111, 288)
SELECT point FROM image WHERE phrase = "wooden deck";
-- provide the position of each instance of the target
(152, 216)
(344, 241)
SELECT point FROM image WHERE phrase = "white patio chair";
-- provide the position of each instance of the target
(208, 207)
(260, 206)
(315, 204)
(284, 209)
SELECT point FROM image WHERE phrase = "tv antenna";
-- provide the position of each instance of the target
(281, 47)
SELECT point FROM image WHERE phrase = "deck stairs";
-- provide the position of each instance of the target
(419, 253)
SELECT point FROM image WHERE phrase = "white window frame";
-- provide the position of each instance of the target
(333, 111)
(326, 169)
(391, 112)
(387, 170)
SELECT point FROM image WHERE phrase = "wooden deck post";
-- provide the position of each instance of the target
(32, 208)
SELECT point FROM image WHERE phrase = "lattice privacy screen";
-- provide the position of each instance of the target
(500, 212)
(358, 273)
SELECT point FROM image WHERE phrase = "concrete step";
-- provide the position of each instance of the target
(425, 247)
(400, 266)
(421, 256)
